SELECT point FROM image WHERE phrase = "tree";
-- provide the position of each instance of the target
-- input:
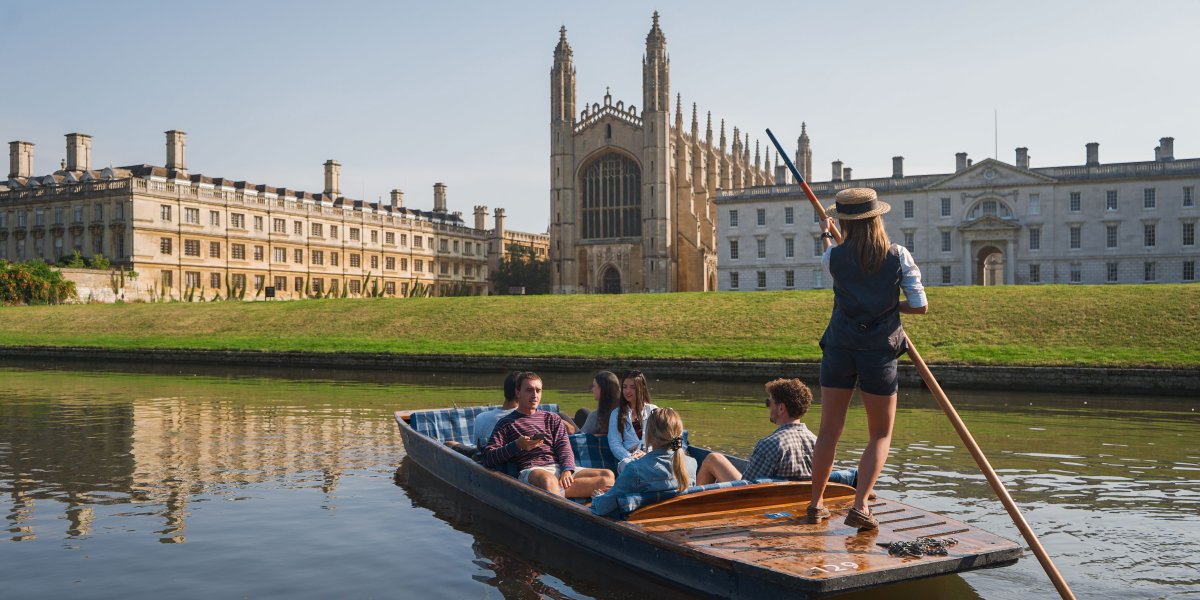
(521, 267)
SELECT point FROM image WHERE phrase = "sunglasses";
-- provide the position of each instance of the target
(767, 402)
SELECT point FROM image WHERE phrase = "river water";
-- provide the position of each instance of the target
(160, 481)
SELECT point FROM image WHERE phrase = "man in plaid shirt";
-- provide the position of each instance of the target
(787, 453)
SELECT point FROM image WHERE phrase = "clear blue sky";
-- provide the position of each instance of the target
(408, 94)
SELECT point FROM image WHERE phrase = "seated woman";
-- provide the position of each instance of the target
(606, 390)
(626, 431)
(665, 467)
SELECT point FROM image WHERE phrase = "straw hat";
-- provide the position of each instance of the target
(857, 203)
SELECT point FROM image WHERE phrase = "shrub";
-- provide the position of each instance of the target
(33, 282)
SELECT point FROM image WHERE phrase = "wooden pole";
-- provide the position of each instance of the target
(812, 198)
(989, 473)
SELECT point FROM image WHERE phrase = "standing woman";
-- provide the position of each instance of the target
(606, 391)
(862, 341)
(626, 425)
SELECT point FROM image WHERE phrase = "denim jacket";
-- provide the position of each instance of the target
(650, 473)
(625, 441)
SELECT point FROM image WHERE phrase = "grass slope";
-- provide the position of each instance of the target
(1120, 325)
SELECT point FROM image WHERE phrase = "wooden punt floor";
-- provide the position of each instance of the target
(832, 555)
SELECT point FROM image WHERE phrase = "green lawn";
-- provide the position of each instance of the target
(1119, 325)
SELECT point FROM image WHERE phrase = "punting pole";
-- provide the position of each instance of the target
(955, 420)
(989, 473)
(812, 198)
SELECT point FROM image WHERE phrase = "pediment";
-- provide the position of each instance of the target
(990, 223)
(990, 172)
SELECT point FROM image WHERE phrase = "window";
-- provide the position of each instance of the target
(404, 239)
(762, 216)
(298, 256)
(390, 264)
(299, 283)
(762, 248)
(316, 285)
(945, 241)
(333, 232)
(279, 255)
(258, 223)
(214, 217)
(789, 215)
(317, 230)
(762, 279)
(355, 260)
(316, 257)
(1110, 236)
(1076, 273)
(418, 265)
(945, 274)
(258, 253)
(164, 245)
(818, 278)
(214, 249)
(1148, 198)
(1189, 270)
(945, 207)
(789, 247)
(1149, 268)
(733, 280)
(443, 247)
(354, 234)
(1189, 234)
(58, 216)
(98, 212)
(120, 211)
(908, 240)
(191, 215)
(1148, 234)
(1035, 238)
(374, 262)
(456, 245)
(167, 279)
(355, 285)
(214, 281)
(389, 238)
(374, 236)
(1076, 236)
(610, 198)
(389, 288)
(1035, 204)
(191, 247)
(237, 251)
(333, 259)
(1035, 273)
(789, 278)
(298, 227)
(191, 279)
(445, 268)
(281, 284)
(164, 212)
(333, 286)
(418, 241)
(237, 220)
(818, 247)
(908, 209)
(1189, 196)
(1075, 202)
(39, 217)
(1112, 272)
(1110, 200)
(733, 249)
(404, 264)
(78, 213)
(989, 207)
(279, 225)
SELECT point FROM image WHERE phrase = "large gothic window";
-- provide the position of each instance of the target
(611, 199)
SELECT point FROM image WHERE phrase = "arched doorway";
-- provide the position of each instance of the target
(989, 266)
(712, 282)
(610, 283)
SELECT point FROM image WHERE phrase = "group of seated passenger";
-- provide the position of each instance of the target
(647, 441)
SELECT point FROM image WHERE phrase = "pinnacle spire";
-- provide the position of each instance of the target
(708, 129)
(722, 135)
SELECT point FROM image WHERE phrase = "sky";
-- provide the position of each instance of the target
(407, 94)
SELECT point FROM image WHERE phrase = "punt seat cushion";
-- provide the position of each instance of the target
(453, 424)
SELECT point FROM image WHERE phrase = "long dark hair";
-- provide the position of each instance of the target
(610, 398)
(641, 399)
(868, 240)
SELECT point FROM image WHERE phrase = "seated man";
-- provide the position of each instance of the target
(787, 453)
(485, 421)
(537, 442)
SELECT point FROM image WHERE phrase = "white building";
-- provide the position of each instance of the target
(986, 223)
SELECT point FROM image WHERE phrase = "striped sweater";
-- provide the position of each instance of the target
(556, 449)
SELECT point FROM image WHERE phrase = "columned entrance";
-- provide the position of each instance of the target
(989, 266)
(987, 255)
(610, 283)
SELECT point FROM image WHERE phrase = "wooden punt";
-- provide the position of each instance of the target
(740, 542)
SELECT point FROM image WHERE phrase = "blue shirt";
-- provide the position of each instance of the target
(625, 441)
(650, 473)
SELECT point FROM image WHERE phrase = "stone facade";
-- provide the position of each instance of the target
(986, 223)
(631, 195)
(189, 235)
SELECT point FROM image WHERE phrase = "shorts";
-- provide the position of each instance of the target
(874, 371)
(554, 470)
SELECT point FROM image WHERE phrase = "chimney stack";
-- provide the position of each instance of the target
(79, 152)
(499, 216)
(837, 170)
(1168, 149)
(333, 178)
(1093, 154)
(480, 217)
(846, 174)
(897, 167)
(397, 200)
(1023, 158)
(439, 197)
(960, 162)
(781, 175)
(20, 159)
(177, 151)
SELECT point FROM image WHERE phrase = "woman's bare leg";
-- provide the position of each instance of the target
(834, 404)
(881, 414)
(716, 469)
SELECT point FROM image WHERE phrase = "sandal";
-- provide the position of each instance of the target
(861, 520)
(816, 514)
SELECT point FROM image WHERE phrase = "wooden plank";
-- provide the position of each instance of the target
(404, 415)
(735, 499)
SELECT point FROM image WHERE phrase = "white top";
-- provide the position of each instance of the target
(485, 423)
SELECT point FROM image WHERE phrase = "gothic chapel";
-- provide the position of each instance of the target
(631, 194)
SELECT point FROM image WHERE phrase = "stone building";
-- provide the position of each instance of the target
(631, 194)
(188, 234)
(986, 223)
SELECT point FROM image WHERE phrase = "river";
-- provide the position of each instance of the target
(147, 482)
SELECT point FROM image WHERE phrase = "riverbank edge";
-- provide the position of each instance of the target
(1099, 380)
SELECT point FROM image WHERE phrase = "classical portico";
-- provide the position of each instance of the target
(988, 245)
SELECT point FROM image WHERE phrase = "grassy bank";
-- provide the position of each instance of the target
(1123, 325)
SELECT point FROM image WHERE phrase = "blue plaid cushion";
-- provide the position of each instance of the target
(627, 503)
(453, 424)
(592, 452)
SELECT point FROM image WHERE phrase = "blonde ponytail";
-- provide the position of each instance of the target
(664, 429)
